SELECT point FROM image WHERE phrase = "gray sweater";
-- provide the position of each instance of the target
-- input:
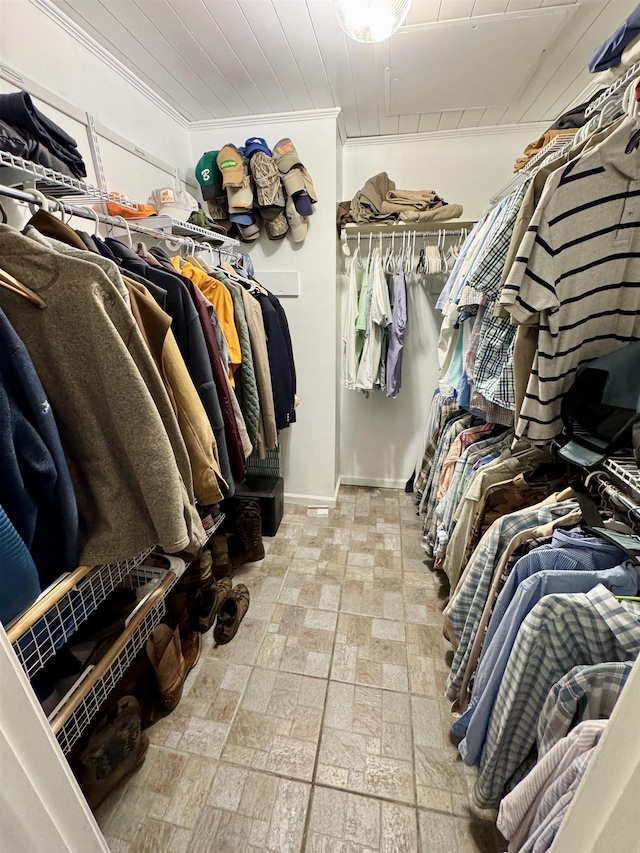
(86, 348)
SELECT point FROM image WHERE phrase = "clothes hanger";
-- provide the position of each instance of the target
(11, 283)
(631, 108)
(94, 214)
(39, 197)
(173, 245)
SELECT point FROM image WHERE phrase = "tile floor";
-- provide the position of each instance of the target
(321, 727)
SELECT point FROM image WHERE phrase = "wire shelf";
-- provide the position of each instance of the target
(624, 469)
(47, 625)
(92, 692)
(17, 170)
(552, 148)
(187, 229)
(616, 88)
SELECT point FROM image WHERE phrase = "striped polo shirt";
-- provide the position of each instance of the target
(577, 274)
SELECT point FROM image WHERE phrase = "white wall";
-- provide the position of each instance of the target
(379, 437)
(41, 49)
(308, 447)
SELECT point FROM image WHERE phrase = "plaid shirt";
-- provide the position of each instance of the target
(465, 609)
(493, 368)
(447, 406)
(464, 471)
(584, 693)
(430, 494)
(560, 632)
(466, 438)
(493, 375)
(487, 272)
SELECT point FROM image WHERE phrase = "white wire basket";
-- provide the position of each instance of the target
(57, 614)
(83, 703)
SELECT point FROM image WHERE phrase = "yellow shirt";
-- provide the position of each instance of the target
(221, 299)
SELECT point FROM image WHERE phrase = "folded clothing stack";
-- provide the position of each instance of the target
(26, 132)
(379, 200)
(244, 186)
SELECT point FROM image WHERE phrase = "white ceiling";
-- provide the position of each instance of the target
(213, 59)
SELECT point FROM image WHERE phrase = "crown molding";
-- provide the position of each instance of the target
(400, 138)
(266, 118)
(83, 38)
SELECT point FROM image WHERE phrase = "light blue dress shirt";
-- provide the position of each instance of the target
(620, 580)
(569, 550)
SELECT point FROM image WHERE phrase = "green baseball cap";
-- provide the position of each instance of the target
(209, 175)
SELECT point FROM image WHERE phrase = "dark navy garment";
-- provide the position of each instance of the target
(280, 360)
(35, 484)
(609, 54)
(19, 585)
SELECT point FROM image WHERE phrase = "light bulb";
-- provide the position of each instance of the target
(371, 21)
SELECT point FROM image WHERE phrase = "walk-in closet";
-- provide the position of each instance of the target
(319, 426)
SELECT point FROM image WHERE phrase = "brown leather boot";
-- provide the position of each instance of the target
(221, 566)
(210, 602)
(247, 546)
(231, 614)
(191, 649)
(115, 749)
(165, 654)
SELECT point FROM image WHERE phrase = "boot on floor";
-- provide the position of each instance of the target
(247, 546)
(164, 651)
(231, 614)
(116, 748)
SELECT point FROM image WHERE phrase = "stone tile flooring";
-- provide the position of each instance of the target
(322, 727)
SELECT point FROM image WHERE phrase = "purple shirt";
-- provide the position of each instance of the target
(396, 338)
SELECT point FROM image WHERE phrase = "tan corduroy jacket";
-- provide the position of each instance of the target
(192, 418)
(267, 431)
(129, 490)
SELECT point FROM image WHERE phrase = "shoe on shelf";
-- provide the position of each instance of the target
(116, 748)
(231, 613)
(210, 601)
(164, 651)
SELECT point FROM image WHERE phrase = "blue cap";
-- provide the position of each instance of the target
(243, 218)
(256, 143)
(302, 201)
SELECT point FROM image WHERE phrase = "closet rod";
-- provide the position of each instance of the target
(353, 235)
(118, 222)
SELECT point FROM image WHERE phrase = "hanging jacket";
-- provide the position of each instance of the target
(234, 444)
(267, 430)
(35, 484)
(190, 339)
(246, 387)
(282, 381)
(155, 326)
(128, 487)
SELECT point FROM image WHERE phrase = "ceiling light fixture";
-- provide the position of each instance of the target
(371, 21)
